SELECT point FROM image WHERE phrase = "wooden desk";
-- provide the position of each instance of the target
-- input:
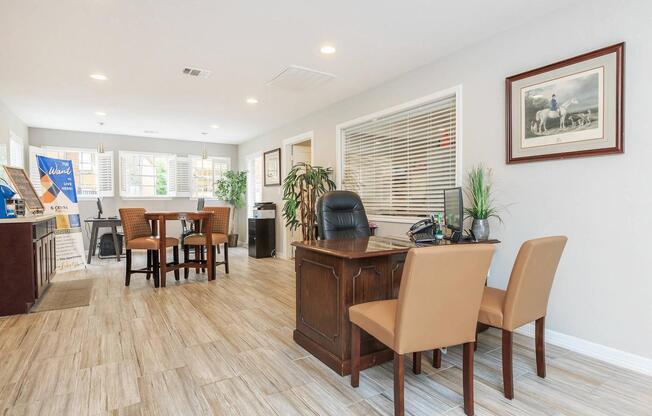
(205, 218)
(332, 275)
(97, 223)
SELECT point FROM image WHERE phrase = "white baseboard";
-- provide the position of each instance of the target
(603, 353)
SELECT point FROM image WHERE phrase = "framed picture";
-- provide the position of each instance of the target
(272, 167)
(568, 109)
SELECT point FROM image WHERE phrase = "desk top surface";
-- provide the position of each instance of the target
(371, 246)
(178, 215)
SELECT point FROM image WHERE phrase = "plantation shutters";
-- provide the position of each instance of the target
(182, 176)
(400, 163)
(105, 174)
(34, 175)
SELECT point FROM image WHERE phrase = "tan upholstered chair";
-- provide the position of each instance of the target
(524, 301)
(437, 306)
(220, 236)
(138, 236)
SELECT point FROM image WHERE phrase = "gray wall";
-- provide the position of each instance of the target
(603, 288)
(115, 143)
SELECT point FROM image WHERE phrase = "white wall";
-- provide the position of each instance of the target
(115, 143)
(10, 123)
(603, 289)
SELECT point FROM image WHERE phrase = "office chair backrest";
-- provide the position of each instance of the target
(341, 215)
(134, 223)
(220, 219)
(440, 294)
(529, 285)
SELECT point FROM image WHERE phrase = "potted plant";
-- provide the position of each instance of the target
(478, 192)
(231, 189)
(301, 188)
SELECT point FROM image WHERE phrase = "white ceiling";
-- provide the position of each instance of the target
(49, 48)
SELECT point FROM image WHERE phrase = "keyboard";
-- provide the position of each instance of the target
(423, 237)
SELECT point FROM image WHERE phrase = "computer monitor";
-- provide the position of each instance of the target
(454, 212)
(200, 204)
(100, 211)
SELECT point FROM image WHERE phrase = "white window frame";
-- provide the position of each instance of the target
(171, 158)
(16, 147)
(339, 147)
(192, 158)
(98, 192)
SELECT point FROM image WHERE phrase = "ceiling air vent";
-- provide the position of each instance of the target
(196, 72)
(297, 78)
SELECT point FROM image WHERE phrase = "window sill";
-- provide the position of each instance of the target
(144, 198)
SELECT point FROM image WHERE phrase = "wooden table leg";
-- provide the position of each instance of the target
(116, 246)
(92, 243)
(161, 249)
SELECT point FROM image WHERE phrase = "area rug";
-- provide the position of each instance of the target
(65, 295)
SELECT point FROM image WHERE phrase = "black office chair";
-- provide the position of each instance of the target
(341, 215)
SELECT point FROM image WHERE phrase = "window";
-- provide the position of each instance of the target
(93, 171)
(16, 151)
(400, 160)
(147, 175)
(205, 172)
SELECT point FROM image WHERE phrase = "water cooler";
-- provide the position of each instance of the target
(262, 230)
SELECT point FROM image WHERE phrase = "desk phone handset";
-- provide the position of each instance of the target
(424, 226)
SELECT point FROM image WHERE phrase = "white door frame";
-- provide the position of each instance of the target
(287, 155)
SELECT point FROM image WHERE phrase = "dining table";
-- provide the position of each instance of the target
(203, 221)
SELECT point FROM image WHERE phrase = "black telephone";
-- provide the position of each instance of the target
(424, 226)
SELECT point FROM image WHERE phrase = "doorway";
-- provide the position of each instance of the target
(296, 150)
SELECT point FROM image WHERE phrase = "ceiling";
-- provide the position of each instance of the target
(48, 49)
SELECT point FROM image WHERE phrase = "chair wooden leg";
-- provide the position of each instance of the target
(195, 250)
(214, 264)
(226, 258)
(148, 275)
(128, 268)
(202, 258)
(399, 379)
(175, 260)
(416, 362)
(218, 249)
(467, 378)
(508, 373)
(436, 358)
(186, 258)
(157, 269)
(539, 336)
(355, 355)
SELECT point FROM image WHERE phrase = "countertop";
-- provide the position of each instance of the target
(29, 218)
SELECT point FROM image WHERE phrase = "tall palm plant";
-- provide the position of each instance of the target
(301, 188)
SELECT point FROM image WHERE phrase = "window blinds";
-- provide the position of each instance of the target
(401, 162)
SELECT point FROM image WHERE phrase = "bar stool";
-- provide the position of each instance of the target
(220, 236)
(138, 236)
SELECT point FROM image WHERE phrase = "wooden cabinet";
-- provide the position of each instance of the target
(27, 261)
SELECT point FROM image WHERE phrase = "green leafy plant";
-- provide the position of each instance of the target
(479, 194)
(231, 188)
(301, 188)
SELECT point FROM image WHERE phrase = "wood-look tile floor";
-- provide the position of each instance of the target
(225, 348)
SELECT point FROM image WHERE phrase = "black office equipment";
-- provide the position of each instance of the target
(454, 212)
(100, 211)
(262, 230)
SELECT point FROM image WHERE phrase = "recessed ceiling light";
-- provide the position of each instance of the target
(100, 113)
(99, 77)
(204, 133)
(215, 126)
(150, 131)
(327, 49)
(252, 100)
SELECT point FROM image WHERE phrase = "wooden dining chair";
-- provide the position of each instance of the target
(437, 306)
(220, 236)
(138, 236)
(524, 301)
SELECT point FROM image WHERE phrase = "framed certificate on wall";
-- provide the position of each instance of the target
(272, 167)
